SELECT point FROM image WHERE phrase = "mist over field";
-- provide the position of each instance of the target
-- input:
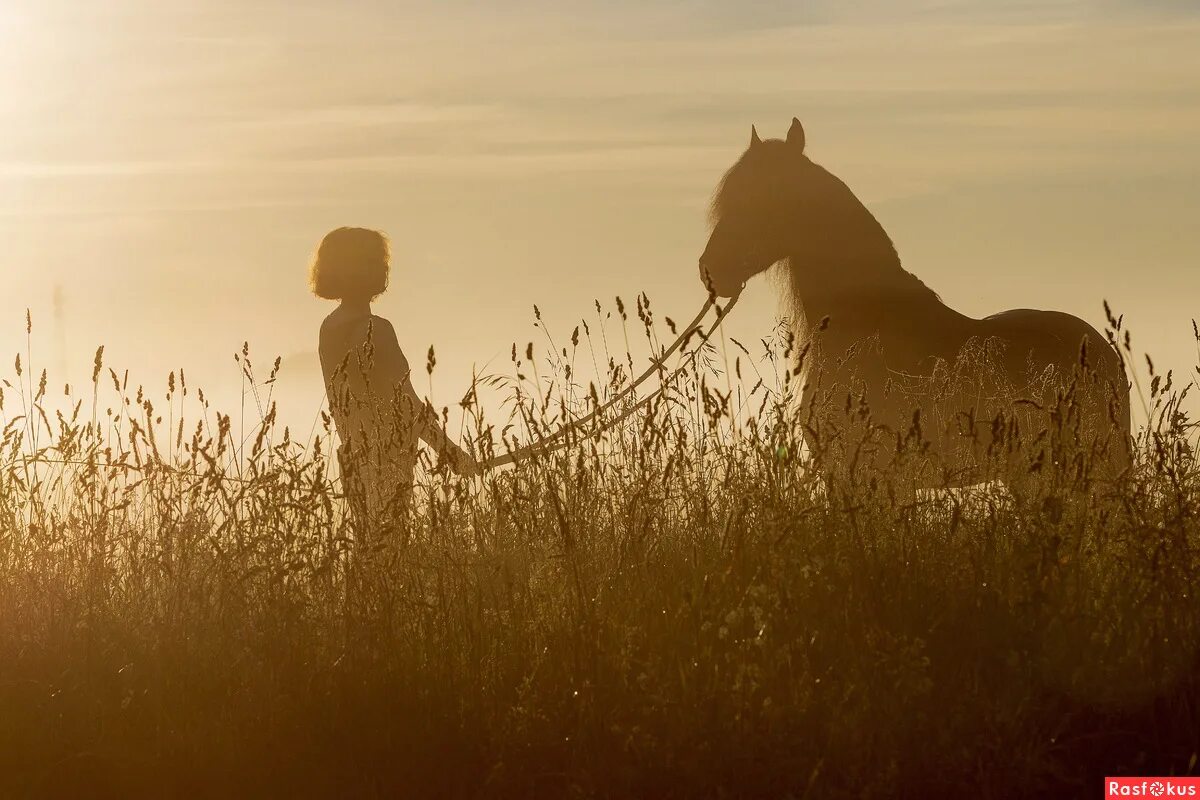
(181, 162)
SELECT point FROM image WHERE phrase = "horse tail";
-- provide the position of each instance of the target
(1121, 452)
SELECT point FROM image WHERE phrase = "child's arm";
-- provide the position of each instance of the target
(390, 359)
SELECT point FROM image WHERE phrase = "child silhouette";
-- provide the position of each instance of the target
(378, 415)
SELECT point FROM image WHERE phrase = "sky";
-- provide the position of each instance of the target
(167, 169)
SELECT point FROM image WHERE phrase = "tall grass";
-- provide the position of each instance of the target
(679, 607)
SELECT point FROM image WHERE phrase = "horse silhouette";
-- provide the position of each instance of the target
(884, 359)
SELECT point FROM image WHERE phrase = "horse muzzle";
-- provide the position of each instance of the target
(719, 281)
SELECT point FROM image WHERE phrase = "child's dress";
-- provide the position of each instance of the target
(374, 418)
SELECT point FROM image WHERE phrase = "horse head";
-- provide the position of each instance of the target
(754, 211)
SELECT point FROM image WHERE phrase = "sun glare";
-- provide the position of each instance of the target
(14, 40)
(10, 19)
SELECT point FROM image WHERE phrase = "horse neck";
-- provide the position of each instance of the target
(845, 266)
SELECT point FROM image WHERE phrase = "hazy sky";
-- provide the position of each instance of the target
(171, 166)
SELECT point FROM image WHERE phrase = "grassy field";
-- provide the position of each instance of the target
(678, 608)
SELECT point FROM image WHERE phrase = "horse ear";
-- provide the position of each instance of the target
(754, 136)
(795, 136)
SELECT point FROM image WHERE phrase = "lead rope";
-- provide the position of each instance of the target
(559, 439)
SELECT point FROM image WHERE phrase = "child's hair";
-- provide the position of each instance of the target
(351, 262)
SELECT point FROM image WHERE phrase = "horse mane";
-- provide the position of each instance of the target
(842, 206)
(831, 197)
(720, 196)
(828, 204)
(866, 245)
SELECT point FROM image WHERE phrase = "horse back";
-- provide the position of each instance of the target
(1054, 338)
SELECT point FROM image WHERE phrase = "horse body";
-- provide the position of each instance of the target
(881, 340)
